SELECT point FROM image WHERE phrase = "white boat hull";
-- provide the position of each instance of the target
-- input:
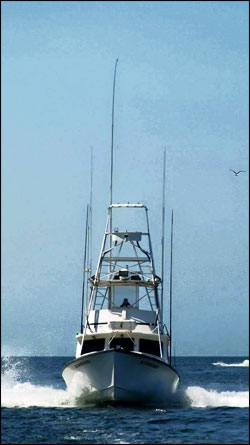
(120, 376)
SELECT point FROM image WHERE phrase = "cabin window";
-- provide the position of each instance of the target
(93, 345)
(123, 273)
(124, 343)
(135, 277)
(150, 347)
(127, 293)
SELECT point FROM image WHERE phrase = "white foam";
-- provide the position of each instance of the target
(244, 364)
(202, 398)
(23, 395)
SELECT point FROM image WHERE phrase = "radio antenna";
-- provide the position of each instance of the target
(163, 233)
(90, 212)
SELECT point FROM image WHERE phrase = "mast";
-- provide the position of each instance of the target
(84, 266)
(163, 232)
(171, 281)
(112, 150)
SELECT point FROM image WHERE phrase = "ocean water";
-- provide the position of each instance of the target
(212, 406)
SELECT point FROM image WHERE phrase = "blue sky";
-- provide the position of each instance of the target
(182, 83)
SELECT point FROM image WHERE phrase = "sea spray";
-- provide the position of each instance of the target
(202, 398)
(244, 364)
(25, 394)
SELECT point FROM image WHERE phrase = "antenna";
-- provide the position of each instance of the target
(84, 265)
(90, 211)
(163, 231)
(171, 281)
(112, 150)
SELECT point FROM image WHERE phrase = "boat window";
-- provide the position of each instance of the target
(123, 273)
(93, 345)
(124, 343)
(135, 277)
(150, 347)
(128, 293)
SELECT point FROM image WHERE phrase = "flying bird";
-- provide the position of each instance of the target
(237, 173)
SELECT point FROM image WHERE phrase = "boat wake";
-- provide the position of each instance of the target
(203, 398)
(244, 364)
(17, 394)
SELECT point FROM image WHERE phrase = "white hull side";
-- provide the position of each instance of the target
(120, 376)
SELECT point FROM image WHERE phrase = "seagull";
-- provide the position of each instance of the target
(237, 173)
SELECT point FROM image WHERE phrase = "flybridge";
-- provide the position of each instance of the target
(125, 268)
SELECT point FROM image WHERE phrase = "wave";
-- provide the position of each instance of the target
(203, 398)
(244, 364)
(24, 395)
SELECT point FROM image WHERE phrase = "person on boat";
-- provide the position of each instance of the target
(125, 303)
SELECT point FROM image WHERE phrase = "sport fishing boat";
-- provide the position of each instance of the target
(122, 355)
(123, 352)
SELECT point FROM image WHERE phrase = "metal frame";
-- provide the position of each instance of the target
(111, 261)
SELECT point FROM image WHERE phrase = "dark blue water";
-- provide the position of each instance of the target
(212, 407)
